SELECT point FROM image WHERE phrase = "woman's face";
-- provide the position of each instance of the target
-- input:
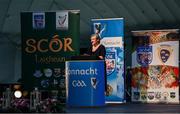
(94, 41)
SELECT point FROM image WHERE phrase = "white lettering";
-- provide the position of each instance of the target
(89, 71)
(78, 83)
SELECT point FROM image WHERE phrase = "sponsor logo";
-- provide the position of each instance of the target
(48, 72)
(45, 83)
(164, 52)
(165, 95)
(57, 72)
(136, 95)
(78, 83)
(150, 95)
(144, 55)
(94, 82)
(38, 20)
(55, 82)
(172, 94)
(144, 96)
(109, 90)
(37, 74)
(62, 20)
(158, 95)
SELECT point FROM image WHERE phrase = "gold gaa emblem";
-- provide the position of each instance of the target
(164, 52)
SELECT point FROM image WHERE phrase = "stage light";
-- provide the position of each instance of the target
(18, 94)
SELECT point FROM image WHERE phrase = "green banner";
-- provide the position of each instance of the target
(48, 40)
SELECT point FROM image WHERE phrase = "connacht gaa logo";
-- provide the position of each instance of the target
(164, 52)
(38, 20)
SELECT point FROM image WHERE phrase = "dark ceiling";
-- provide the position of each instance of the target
(138, 14)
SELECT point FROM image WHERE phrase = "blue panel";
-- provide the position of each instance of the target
(85, 83)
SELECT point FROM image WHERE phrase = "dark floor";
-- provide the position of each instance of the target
(128, 108)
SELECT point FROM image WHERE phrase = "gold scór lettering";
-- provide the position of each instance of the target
(45, 45)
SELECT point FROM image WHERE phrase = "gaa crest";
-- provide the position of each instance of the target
(38, 20)
(110, 62)
(164, 52)
(144, 55)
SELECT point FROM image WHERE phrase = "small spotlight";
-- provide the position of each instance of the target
(18, 94)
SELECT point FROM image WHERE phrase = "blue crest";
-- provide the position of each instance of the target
(144, 55)
(38, 20)
(110, 62)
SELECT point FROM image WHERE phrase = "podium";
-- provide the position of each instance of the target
(85, 84)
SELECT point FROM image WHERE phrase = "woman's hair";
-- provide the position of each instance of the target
(97, 36)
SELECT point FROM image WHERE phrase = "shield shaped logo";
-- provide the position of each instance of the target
(38, 20)
(62, 20)
(110, 62)
(94, 82)
(164, 52)
(144, 55)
